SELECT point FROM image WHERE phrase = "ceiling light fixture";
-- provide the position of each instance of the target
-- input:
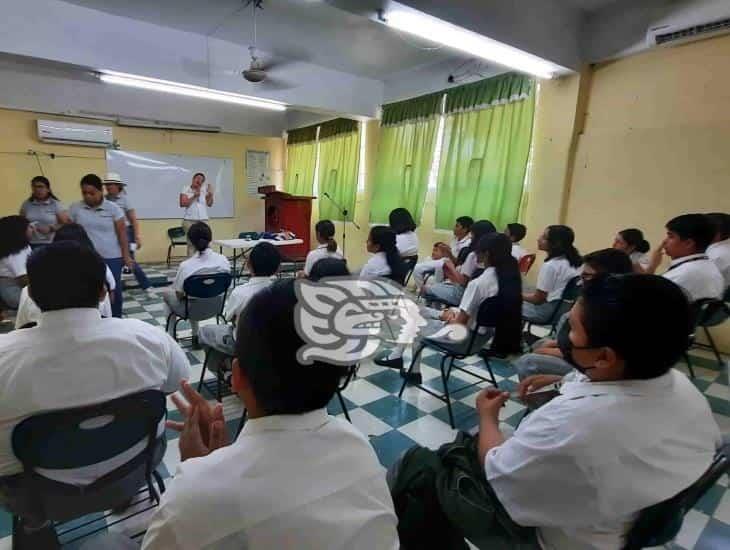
(167, 86)
(439, 31)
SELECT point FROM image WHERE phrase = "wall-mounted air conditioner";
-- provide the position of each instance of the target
(73, 133)
(689, 21)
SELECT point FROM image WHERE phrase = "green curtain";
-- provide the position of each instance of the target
(300, 162)
(338, 165)
(484, 158)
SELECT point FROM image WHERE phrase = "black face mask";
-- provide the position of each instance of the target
(566, 348)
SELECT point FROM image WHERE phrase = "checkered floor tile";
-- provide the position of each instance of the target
(393, 425)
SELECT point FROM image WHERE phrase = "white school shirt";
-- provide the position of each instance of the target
(75, 358)
(320, 253)
(239, 298)
(479, 289)
(470, 265)
(407, 243)
(458, 245)
(376, 266)
(206, 261)
(697, 275)
(719, 253)
(198, 210)
(640, 258)
(518, 251)
(29, 312)
(305, 481)
(554, 276)
(584, 465)
(13, 265)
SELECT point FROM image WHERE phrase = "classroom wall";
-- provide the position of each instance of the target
(18, 134)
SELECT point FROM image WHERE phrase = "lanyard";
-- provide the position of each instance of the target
(703, 257)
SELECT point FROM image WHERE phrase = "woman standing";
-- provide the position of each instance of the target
(44, 212)
(14, 251)
(104, 223)
(116, 193)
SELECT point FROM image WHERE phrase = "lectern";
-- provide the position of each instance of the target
(285, 212)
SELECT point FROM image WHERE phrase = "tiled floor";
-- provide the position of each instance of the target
(393, 425)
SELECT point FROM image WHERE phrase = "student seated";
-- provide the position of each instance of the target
(546, 357)
(328, 267)
(386, 261)
(327, 247)
(401, 222)
(561, 265)
(459, 271)
(295, 477)
(516, 232)
(501, 277)
(626, 432)
(719, 250)
(688, 237)
(15, 233)
(204, 261)
(632, 242)
(263, 263)
(72, 359)
(441, 253)
(28, 310)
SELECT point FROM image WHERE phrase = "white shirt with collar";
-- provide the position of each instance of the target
(584, 465)
(407, 243)
(479, 289)
(518, 251)
(198, 209)
(206, 262)
(75, 358)
(470, 265)
(697, 275)
(320, 253)
(376, 266)
(457, 245)
(13, 265)
(237, 300)
(719, 253)
(306, 481)
(554, 276)
(640, 258)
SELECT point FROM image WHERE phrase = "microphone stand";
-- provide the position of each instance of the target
(344, 213)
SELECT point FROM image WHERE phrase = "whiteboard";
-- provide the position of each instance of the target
(154, 181)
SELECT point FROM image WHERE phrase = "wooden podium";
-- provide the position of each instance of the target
(285, 212)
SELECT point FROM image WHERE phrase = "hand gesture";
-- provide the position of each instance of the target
(536, 382)
(43, 229)
(208, 413)
(193, 444)
(489, 403)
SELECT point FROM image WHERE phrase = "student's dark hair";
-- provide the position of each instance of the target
(401, 221)
(721, 222)
(73, 232)
(328, 267)
(560, 240)
(465, 221)
(326, 230)
(93, 180)
(266, 347)
(384, 237)
(200, 236)
(635, 237)
(264, 259)
(65, 275)
(508, 330)
(13, 235)
(645, 319)
(478, 230)
(517, 231)
(609, 260)
(697, 227)
(45, 181)
(196, 174)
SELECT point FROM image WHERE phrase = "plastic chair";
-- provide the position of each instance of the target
(526, 262)
(410, 262)
(659, 524)
(706, 313)
(567, 299)
(205, 296)
(82, 437)
(177, 237)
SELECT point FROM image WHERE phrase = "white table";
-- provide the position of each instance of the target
(247, 244)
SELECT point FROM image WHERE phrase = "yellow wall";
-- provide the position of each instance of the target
(18, 134)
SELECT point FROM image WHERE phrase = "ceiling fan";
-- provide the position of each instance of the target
(258, 70)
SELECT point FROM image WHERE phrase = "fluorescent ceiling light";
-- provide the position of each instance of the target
(453, 36)
(157, 85)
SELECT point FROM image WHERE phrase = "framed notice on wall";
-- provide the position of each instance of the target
(258, 172)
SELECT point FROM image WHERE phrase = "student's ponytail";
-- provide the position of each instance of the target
(200, 236)
(635, 237)
(384, 237)
(325, 230)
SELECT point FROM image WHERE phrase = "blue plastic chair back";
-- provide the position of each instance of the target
(207, 285)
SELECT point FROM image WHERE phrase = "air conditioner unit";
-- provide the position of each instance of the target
(73, 133)
(690, 21)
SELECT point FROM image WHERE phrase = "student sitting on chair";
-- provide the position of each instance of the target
(204, 262)
(516, 232)
(632, 242)
(561, 265)
(546, 357)
(501, 276)
(460, 241)
(328, 267)
(401, 222)
(386, 261)
(719, 250)
(627, 431)
(327, 247)
(72, 359)
(688, 237)
(263, 263)
(459, 271)
(295, 477)
(15, 233)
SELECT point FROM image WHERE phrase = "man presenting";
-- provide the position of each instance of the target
(195, 199)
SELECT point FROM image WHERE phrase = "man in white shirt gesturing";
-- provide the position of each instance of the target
(196, 198)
